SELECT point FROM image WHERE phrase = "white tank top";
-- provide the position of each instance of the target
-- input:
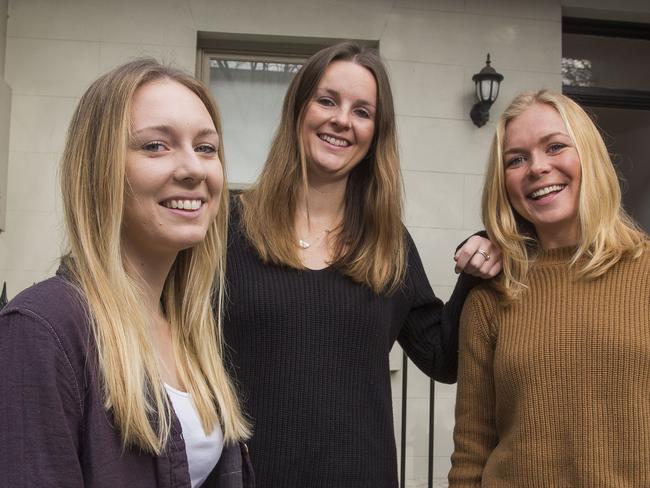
(203, 451)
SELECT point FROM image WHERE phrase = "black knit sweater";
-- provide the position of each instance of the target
(310, 356)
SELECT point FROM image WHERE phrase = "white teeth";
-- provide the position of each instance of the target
(334, 141)
(545, 191)
(183, 204)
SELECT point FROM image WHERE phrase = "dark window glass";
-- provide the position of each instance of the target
(605, 62)
(626, 133)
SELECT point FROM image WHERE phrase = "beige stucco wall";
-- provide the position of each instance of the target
(432, 48)
(5, 110)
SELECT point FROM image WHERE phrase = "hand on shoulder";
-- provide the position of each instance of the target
(478, 257)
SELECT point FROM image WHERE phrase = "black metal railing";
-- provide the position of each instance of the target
(432, 391)
(3, 296)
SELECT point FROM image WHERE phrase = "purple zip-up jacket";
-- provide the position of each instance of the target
(54, 429)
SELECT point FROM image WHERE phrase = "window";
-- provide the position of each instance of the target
(249, 91)
(604, 68)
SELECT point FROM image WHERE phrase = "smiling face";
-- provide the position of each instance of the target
(542, 174)
(339, 122)
(173, 171)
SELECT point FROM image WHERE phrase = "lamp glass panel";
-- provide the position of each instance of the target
(486, 91)
(497, 85)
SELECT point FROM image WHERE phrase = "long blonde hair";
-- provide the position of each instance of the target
(370, 248)
(607, 233)
(93, 184)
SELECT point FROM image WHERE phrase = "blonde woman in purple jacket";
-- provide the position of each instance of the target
(112, 371)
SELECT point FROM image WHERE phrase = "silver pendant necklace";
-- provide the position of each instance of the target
(306, 245)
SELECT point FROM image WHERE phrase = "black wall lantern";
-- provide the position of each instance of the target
(487, 90)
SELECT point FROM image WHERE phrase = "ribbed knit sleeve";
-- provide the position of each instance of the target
(475, 431)
(429, 335)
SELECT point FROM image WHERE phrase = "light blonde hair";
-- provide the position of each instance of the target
(93, 183)
(607, 233)
(370, 247)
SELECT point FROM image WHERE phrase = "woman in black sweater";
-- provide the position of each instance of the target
(323, 278)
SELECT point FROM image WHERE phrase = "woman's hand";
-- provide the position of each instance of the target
(478, 257)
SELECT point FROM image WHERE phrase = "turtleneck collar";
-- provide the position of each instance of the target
(559, 255)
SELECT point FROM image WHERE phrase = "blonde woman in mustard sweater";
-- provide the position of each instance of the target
(554, 368)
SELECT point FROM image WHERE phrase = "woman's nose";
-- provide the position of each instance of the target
(190, 167)
(539, 165)
(342, 118)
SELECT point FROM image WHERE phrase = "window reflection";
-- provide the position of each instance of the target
(576, 72)
(231, 64)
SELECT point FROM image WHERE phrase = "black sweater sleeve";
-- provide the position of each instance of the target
(429, 335)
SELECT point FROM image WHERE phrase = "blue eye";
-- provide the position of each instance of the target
(154, 146)
(205, 148)
(363, 113)
(555, 147)
(515, 161)
(326, 101)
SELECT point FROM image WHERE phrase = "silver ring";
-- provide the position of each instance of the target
(484, 254)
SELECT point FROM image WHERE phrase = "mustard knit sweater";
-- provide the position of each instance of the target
(554, 391)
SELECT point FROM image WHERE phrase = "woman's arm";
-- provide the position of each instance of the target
(475, 434)
(40, 406)
(429, 335)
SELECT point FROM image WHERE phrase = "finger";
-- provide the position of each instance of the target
(466, 253)
(474, 265)
(494, 270)
(496, 264)
(494, 251)
(492, 266)
(464, 262)
(484, 270)
(478, 262)
(461, 261)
